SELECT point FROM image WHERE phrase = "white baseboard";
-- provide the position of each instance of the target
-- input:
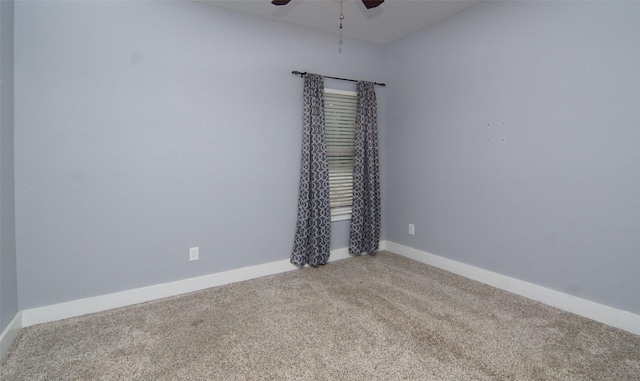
(608, 315)
(84, 306)
(617, 318)
(10, 334)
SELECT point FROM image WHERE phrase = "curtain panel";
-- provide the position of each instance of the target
(313, 227)
(364, 236)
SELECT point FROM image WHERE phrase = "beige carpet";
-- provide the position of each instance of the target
(368, 318)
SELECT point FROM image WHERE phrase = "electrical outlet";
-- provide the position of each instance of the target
(412, 229)
(194, 253)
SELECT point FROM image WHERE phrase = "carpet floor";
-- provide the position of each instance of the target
(366, 318)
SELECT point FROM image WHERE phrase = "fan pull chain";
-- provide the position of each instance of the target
(341, 15)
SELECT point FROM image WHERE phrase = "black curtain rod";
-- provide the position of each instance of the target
(303, 73)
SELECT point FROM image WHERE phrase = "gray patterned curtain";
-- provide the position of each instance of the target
(365, 216)
(313, 229)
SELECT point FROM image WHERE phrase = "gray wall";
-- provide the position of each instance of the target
(8, 274)
(144, 128)
(513, 144)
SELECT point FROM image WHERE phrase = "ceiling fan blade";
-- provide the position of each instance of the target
(280, 2)
(372, 3)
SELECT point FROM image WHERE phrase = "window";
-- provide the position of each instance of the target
(340, 122)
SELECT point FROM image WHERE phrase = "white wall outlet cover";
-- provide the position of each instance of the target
(194, 253)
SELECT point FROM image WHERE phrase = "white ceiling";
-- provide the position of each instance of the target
(387, 23)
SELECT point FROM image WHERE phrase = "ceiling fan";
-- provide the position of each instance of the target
(367, 3)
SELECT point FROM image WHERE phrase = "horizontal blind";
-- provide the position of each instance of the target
(340, 121)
